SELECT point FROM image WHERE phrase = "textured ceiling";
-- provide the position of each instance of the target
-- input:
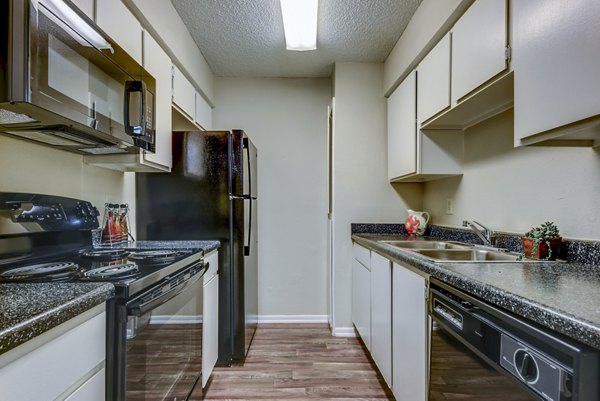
(245, 37)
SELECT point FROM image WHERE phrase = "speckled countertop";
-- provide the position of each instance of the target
(564, 297)
(28, 310)
(206, 246)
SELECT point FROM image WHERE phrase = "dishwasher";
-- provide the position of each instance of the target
(480, 352)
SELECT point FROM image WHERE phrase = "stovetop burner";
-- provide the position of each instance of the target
(123, 270)
(52, 271)
(156, 256)
(105, 254)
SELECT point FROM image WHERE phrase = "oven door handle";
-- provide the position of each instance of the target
(140, 307)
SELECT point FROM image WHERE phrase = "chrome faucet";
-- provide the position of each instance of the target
(485, 234)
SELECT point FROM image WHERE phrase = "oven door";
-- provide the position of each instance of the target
(164, 347)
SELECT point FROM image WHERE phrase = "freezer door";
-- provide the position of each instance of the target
(249, 167)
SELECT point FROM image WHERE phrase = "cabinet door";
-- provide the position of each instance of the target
(184, 94)
(479, 40)
(203, 112)
(92, 390)
(121, 25)
(210, 328)
(556, 58)
(409, 338)
(158, 64)
(402, 128)
(87, 6)
(361, 301)
(381, 315)
(433, 89)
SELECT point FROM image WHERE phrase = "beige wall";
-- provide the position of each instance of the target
(512, 189)
(28, 167)
(362, 191)
(287, 121)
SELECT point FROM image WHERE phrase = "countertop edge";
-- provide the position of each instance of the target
(40, 323)
(560, 321)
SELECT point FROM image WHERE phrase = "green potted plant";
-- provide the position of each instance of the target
(542, 242)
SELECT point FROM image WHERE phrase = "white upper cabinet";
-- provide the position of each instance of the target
(184, 94)
(158, 64)
(203, 113)
(402, 128)
(479, 41)
(433, 89)
(87, 6)
(556, 58)
(121, 25)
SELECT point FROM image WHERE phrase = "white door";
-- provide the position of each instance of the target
(410, 335)
(402, 128)
(330, 282)
(479, 40)
(381, 315)
(361, 301)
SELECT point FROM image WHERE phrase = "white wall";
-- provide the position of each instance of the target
(287, 121)
(512, 189)
(362, 191)
(29, 167)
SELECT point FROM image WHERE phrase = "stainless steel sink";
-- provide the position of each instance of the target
(412, 245)
(469, 255)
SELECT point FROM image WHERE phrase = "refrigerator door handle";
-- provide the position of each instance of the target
(247, 247)
(246, 146)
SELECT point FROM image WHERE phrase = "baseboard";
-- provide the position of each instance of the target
(168, 319)
(292, 319)
(343, 332)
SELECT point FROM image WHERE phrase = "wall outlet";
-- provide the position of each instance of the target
(450, 206)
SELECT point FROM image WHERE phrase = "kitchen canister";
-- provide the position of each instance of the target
(115, 225)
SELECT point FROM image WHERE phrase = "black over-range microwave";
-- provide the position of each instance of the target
(66, 84)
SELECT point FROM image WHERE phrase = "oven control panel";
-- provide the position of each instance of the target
(22, 213)
(27, 212)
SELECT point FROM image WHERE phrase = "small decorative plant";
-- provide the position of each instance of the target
(542, 242)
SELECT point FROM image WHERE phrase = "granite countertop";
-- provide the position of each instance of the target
(206, 246)
(28, 310)
(564, 297)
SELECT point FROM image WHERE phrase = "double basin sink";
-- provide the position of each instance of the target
(457, 252)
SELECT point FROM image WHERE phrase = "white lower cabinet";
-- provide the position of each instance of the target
(64, 363)
(210, 334)
(361, 300)
(409, 335)
(381, 315)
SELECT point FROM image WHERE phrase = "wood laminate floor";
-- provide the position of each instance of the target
(300, 362)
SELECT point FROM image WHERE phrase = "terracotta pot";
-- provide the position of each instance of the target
(542, 249)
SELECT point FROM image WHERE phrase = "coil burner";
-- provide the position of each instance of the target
(110, 272)
(45, 271)
(158, 256)
(105, 254)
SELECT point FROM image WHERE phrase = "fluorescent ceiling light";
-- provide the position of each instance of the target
(83, 32)
(300, 24)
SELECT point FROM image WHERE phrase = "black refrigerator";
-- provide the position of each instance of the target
(211, 194)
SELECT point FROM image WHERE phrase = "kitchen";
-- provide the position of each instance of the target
(279, 112)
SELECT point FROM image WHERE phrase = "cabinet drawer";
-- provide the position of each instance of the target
(362, 254)
(92, 390)
(57, 364)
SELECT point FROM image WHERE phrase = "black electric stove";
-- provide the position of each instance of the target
(47, 238)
